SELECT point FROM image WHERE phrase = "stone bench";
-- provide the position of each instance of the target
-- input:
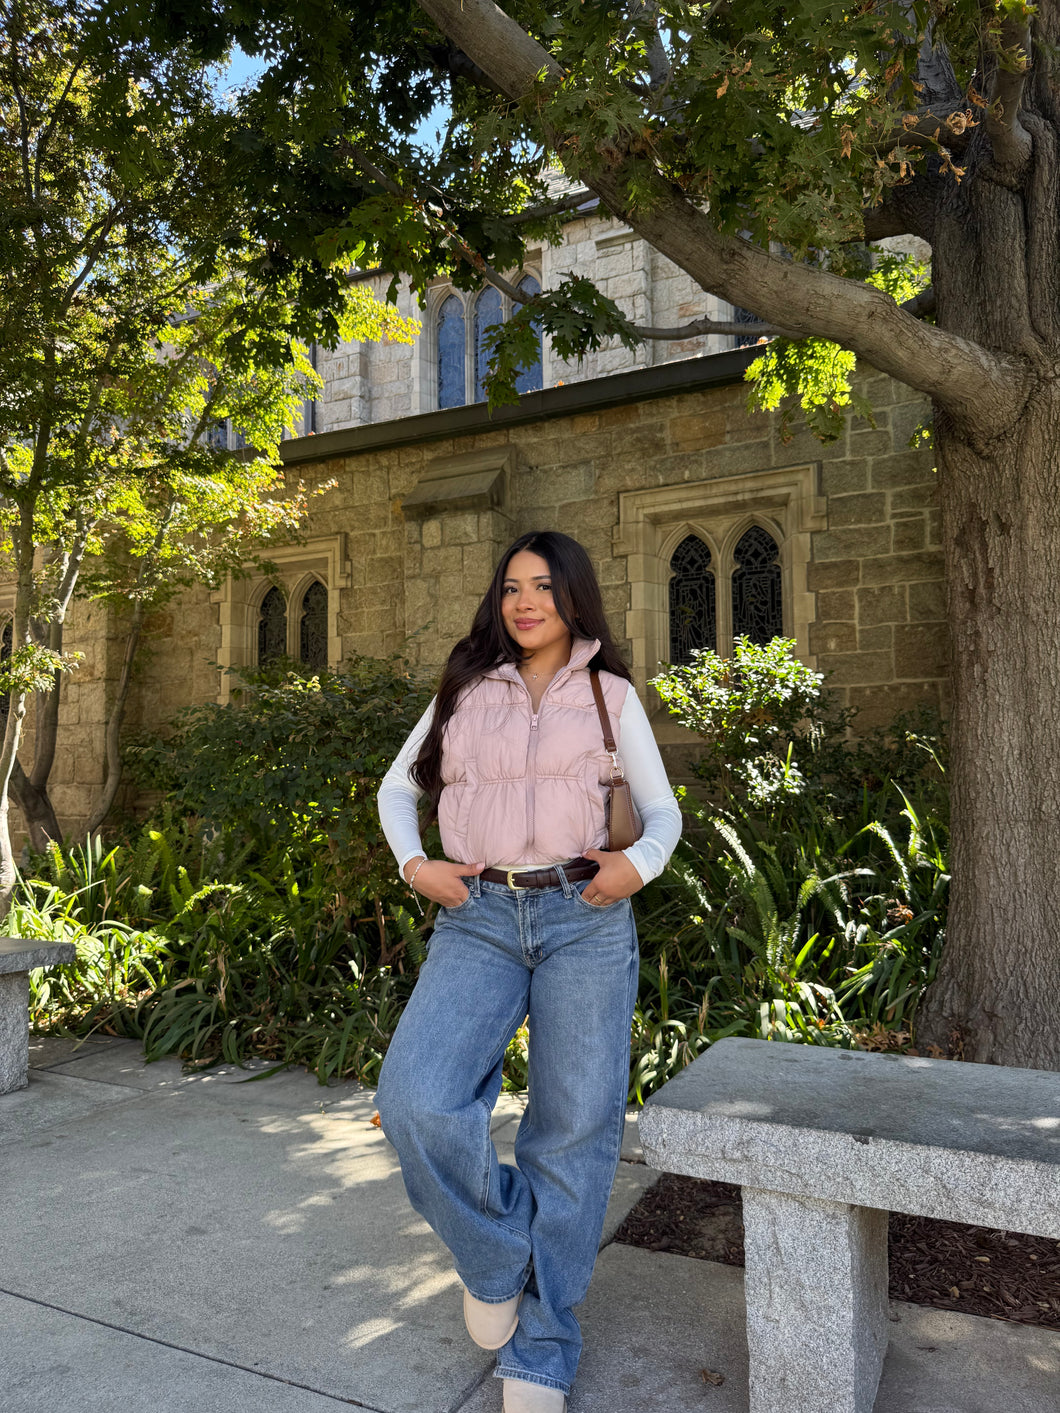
(17, 959)
(824, 1143)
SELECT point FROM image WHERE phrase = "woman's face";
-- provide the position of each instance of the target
(530, 615)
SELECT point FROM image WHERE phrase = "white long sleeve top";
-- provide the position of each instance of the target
(399, 796)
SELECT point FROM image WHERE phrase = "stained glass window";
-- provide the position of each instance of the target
(693, 600)
(313, 629)
(529, 380)
(487, 312)
(217, 436)
(744, 316)
(757, 607)
(451, 371)
(272, 627)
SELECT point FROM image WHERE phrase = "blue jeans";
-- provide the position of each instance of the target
(572, 968)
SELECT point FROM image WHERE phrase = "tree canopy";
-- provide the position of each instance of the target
(139, 316)
(760, 147)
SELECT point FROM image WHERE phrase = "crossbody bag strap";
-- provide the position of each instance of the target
(610, 745)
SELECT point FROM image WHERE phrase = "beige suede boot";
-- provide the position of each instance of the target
(521, 1397)
(490, 1326)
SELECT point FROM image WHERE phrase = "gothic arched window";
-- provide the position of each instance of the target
(757, 606)
(488, 312)
(452, 374)
(693, 600)
(461, 355)
(313, 628)
(529, 380)
(272, 627)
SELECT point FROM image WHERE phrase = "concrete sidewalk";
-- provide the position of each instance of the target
(201, 1244)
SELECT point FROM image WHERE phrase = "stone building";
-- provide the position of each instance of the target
(702, 519)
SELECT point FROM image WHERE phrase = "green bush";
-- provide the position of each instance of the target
(278, 924)
(756, 712)
(260, 913)
(295, 760)
(774, 739)
(814, 935)
(807, 900)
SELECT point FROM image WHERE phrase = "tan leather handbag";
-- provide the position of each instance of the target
(623, 824)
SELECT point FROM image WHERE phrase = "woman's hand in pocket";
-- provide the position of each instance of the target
(617, 879)
(441, 881)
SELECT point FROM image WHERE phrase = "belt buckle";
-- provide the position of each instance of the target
(516, 887)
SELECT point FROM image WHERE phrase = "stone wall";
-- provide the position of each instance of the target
(423, 522)
(877, 570)
(372, 383)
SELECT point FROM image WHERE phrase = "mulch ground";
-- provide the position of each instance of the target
(1003, 1275)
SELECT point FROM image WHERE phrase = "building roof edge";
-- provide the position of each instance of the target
(683, 375)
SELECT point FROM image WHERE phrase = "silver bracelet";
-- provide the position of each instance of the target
(416, 870)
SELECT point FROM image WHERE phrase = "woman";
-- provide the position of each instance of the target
(535, 922)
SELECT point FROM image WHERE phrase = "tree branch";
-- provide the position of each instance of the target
(23, 124)
(1009, 139)
(921, 304)
(92, 254)
(698, 327)
(946, 126)
(551, 208)
(455, 62)
(934, 71)
(978, 386)
(46, 135)
(112, 735)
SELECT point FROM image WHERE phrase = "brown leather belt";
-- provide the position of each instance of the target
(520, 878)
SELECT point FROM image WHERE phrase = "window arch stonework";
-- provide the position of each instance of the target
(450, 338)
(308, 581)
(452, 365)
(693, 606)
(313, 627)
(488, 311)
(757, 587)
(781, 505)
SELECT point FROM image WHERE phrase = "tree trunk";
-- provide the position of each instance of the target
(12, 734)
(36, 808)
(112, 779)
(995, 997)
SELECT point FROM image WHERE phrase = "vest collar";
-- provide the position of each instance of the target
(582, 652)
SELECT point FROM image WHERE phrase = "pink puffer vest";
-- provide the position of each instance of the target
(526, 789)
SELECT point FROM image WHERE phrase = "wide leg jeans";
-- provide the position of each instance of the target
(501, 956)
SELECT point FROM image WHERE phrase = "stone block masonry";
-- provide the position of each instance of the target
(423, 506)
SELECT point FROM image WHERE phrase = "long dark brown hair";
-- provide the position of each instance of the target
(576, 595)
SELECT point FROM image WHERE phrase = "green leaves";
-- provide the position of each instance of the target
(574, 316)
(31, 668)
(261, 913)
(816, 377)
(751, 710)
(295, 760)
(148, 310)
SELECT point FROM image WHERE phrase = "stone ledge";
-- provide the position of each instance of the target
(939, 1138)
(473, 481)
(18, 954)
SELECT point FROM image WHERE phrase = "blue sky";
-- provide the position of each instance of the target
(243, 69)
